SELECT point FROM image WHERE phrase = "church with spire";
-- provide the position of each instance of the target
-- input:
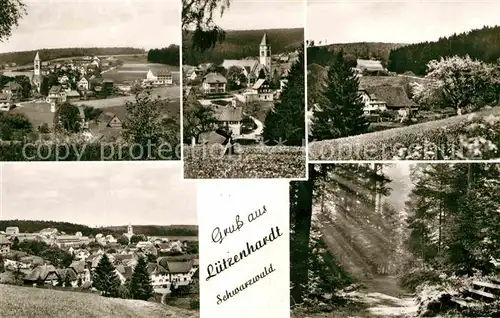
(37, 72)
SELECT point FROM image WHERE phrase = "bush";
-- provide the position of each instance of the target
(194, 304)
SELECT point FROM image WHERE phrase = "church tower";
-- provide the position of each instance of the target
(265, 53)
(130, 230)
(37, 65)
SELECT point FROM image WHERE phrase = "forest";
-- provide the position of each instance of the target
(168, 55)
(26, 57)
(239, 44)
(29, 226)
(481, 44)
(321, 54)
(368, 240)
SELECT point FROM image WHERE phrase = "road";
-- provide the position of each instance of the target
(254, 135)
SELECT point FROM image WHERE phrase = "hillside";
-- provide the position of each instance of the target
(26, 57)
(360, 50)
(148, 230)
(34, 302)
(239, 44)
(482, 44)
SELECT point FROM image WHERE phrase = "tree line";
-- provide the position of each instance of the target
(168, 55)
(26, 57)
(480, 44)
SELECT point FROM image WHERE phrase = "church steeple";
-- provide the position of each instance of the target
(265, 53)
(36, 64)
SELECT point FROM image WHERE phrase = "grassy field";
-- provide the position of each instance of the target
(449, 138)
(135, 68)
(19, 301)
(207, 162)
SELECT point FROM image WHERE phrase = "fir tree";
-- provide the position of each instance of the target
(105, 278)
(140, 284)
(67, 281)
(285, 125)
(15, 243)
(340, 112)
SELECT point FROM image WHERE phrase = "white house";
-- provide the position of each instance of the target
(83, 83)
(159, 77)
(372, 103)
(214, 83)
(5, 102)
(260, 91)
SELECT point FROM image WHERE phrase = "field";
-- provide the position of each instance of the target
(458, 137)
(34, 302)
(208, 162)
(135, 68)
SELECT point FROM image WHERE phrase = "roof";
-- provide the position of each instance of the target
(37, 57)
(394, 96)
(259, 83)
(161, 73)
(370, 65)
(4, 240)
(214, 78)
(264, 40)
(211, 137)
(78, 266)
(179, 267)
(154, 268)
(228, 113)
(106, 117)
(73, 94)
(63, 272)
(12, 86)
(5, 97)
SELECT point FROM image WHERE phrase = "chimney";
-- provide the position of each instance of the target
(233, 102)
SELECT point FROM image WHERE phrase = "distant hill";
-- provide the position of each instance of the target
(482, 44)
(26, 57)
(19, 301)
(243, 43)
(361, 50)
(71, 228)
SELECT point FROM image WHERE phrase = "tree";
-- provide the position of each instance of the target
(340, 112)
(105, 278)
(123, 240)
(285, 125)
(2, 264)
(11, 11)
(14, 126)
(68, 117)
(140, 284)
(91, 113)
(235, 77)
(198, 21)
(458, 82)
(15, 243)
(79, 283)
(138, 238)
(67, 280)
(197, 119)
(47, 82)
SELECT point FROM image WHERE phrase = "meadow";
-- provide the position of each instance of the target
(19, 301)
(208, 162)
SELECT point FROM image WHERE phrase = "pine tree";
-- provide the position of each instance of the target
(285, 125)
(340, 112)
(140, 284)
(105, 278)
(15, 243)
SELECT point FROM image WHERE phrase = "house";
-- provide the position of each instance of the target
(13, 89)
(110, 120)
(57, 95)
(260, 91)
(214, 83)
(229, 116)
(63, 79)
(45, 273)
(71, 240)
(193, 74)
(180, 273)
(96, 83)
(159, 276)
(67, 274)
(395, 98)
(370, 66)
(4, 245)
(159, 77)
(49, 231)
(11, 230)
(83, 84)
(5, 102)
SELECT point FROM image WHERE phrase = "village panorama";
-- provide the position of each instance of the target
(90, 99)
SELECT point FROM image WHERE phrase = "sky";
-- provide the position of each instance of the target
(409, 21)
(98, 193)
(96, 23)
(262, 14)
(400, 185)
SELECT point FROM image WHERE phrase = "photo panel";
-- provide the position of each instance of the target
(395, 240)
(243, 78)
(98, 240)
(90, 80)
(244, 248)
(384, 86)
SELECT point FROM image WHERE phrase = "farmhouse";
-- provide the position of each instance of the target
(56, 95)
(83, 84)
(372, 103)
(44, 273)
(370, 66)
(109, 119)
(160, 77)
(395, 98)
(72, 96)
(11, 230)
(260, 91)
(214, 83)
(13, 89)
(229, 116)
